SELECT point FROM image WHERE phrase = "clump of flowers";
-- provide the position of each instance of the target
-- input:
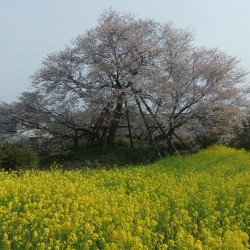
(197, 202)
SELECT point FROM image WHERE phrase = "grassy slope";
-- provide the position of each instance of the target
(193, 202)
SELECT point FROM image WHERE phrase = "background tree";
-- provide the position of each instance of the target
(60, 121)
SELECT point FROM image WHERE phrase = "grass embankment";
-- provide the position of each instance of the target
(194, 202)
(101, 157)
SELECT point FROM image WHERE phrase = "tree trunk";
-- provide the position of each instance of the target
(148, 129)
(168, 135)
(76, 141)
(104, 138)
(129, 128)
(98, 124)
(115, 120)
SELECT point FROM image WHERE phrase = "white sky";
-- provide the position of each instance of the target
(31, 29)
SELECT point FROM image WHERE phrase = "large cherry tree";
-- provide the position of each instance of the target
(175, 89)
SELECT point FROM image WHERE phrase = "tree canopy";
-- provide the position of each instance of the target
(129, 71)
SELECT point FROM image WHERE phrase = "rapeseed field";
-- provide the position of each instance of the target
(189, 202)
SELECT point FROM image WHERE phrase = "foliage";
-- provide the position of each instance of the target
(195, 202)
(120, 154)
(242, 138)
(16, 157)
(206, 140)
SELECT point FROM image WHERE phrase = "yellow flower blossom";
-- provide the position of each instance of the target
(195, 202)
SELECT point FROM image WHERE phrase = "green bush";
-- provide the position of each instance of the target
(16, 157)
(206, 140)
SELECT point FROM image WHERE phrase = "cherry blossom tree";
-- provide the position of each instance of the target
(125, 63)
(59, 120)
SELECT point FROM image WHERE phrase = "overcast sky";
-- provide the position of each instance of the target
(31, 29)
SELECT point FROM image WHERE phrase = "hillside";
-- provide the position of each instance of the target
(200, 201)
